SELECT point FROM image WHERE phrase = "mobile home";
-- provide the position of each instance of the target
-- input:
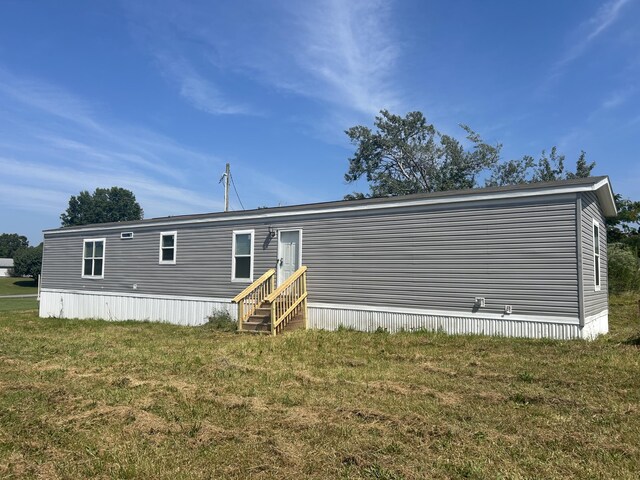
(527, 260)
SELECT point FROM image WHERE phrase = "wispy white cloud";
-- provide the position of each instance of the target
(618, 98)
(606, 15)
(123, 160)
(55, 144)
(47, 99)
(200, 92)
(153, 194)
(603, 19)
(347, 50)
(341, 54)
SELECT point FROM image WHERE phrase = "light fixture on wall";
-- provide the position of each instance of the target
(272, 232)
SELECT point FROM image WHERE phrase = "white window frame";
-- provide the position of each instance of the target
(233, 256)
(104, 257)
(597, 265)
(175, 248)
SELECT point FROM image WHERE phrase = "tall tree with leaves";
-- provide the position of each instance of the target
(406, 155)
(403, 155)
(27, 262)
(113, 204)
(546, 169)
(10, 243)
(627, 223)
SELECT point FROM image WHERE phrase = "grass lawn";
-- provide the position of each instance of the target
(13, 304)
(17, 286)
(133, 400)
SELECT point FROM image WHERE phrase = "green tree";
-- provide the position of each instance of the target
(407, 155)
(27, 262)
(583, 169)
(403, 155)
(513, 172)
(625, 228)
(627, 223)
(546, 169)
(10, 243)
(113, 204)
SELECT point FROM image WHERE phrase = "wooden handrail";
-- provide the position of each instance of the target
(293, 307)
(287, 300)
(253, 286)
(270, 298)
(250, 299)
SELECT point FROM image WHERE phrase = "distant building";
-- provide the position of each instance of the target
(6, 264)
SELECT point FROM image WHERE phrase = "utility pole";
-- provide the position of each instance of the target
(226, 177)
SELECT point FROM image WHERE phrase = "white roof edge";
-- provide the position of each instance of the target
(610, 210)
(606, 198)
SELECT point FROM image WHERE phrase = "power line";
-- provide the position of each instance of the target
(236, 190)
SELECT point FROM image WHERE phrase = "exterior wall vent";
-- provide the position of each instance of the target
(126, 235)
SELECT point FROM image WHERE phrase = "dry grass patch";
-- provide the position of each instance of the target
(96, 399)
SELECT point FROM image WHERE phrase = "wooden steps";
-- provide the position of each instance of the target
(287, 304)
(260, 321)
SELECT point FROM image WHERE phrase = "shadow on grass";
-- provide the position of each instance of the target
(633, 340)
(25, 283)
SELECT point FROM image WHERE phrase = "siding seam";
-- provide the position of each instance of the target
(579, 259)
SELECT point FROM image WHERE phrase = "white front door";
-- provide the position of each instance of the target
(289, 253)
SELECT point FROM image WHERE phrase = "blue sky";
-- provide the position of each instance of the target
(157, 96)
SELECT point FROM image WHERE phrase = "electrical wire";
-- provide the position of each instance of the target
(236, 190)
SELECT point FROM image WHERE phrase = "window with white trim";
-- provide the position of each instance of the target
(596, 255)
(242, 252)
(93, 258)
(168, 248)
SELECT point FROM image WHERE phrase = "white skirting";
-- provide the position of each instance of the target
(595, 325)
(118, 306)
(197, 310)
(370, 319)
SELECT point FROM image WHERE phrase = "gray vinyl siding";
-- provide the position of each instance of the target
(521, 253)
(594, 301)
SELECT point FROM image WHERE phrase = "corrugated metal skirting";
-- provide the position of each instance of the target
(119, 308)
(369, 321)
(194, 311)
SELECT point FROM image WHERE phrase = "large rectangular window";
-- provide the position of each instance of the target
(596, 254)
(242, 266)
(93, 258)
(168, 247)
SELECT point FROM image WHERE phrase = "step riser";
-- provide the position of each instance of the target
(263, 325)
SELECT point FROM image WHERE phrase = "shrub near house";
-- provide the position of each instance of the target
(624, 269)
